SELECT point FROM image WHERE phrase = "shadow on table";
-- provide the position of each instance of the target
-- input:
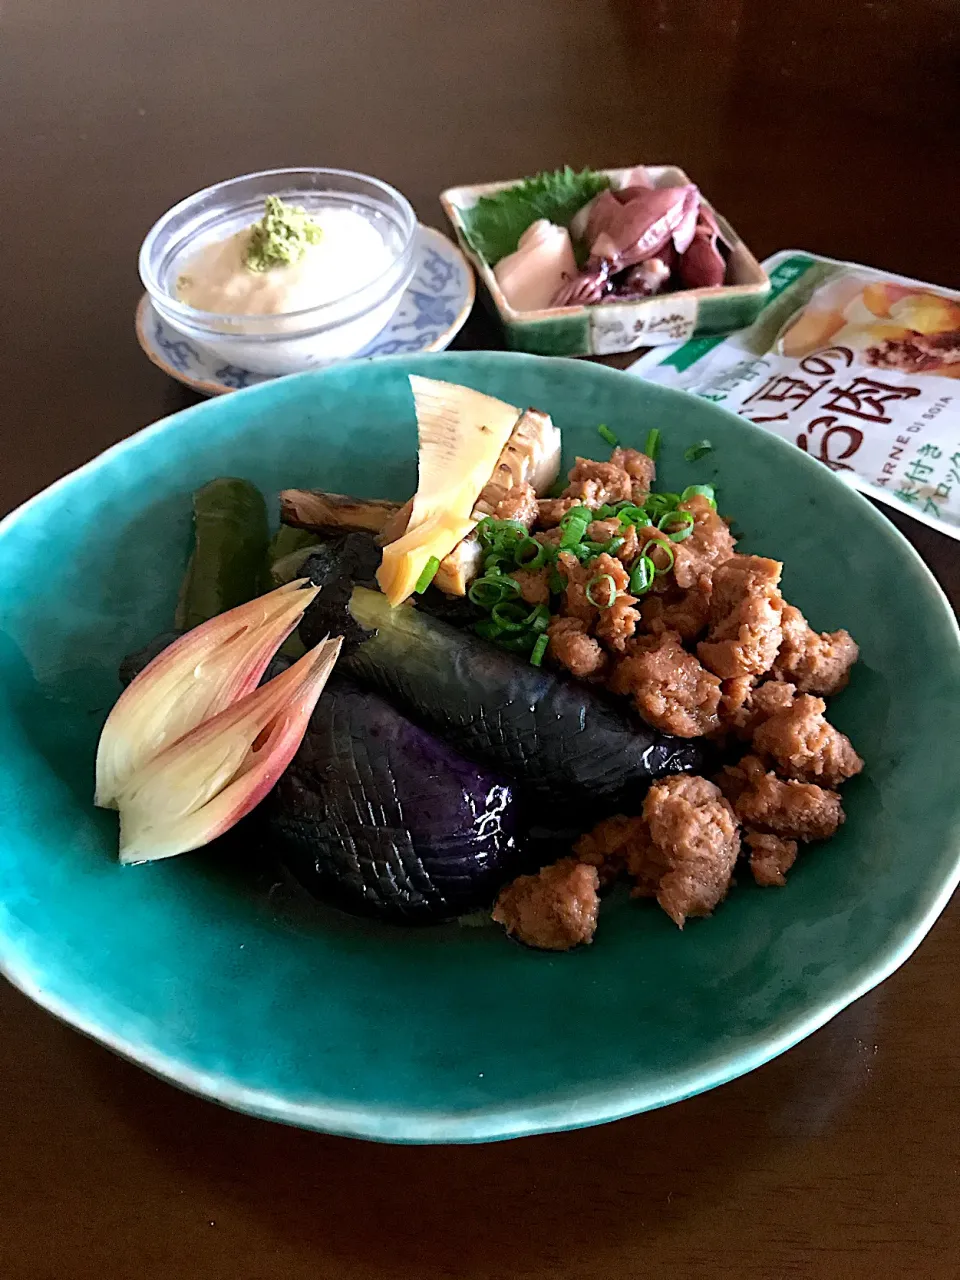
(538, 1205)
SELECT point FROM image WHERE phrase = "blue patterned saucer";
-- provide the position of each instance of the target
(432, 312)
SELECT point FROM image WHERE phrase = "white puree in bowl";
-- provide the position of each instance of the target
(350, 253)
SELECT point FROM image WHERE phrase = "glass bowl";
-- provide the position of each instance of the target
(291, 341)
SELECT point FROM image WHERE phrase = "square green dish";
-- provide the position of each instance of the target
(622, 325)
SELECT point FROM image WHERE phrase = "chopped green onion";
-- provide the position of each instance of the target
(573, 530)
(658, 503)
(685, 529)
(582, 551)
(704, 490)
(658, 544)
(539, 619)
(598, 548)
(604, 432)
(512, 641)
(512, 531)
(632, 514)
(652, 447)
(532, 562)
(573, 536)
(611, 591)
(486, 629)
(494, 563)
(490, 591)
(642, 575)
(509, 617)
(606, 511)
(556, 582)
(696, 451)
(539, 649)
(576, 513)
(500, 534)
(429, 572)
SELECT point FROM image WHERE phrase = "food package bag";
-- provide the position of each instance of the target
(859, 368)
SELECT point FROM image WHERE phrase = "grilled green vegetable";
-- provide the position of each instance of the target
(228, 563)
(287, 551)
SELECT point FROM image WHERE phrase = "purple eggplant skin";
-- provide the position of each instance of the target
(548, 734)
(377, 816)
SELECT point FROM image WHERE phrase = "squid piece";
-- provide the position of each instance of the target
(629, 226)
(531, 275)
(703, 265)
(626, 229)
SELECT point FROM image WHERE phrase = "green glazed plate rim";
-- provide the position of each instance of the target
(497, 1122)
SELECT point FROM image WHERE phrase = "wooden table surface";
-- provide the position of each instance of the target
(828, 126)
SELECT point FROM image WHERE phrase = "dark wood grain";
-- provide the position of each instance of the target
(821, 125)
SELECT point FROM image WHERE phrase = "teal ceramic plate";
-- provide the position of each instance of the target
(229, 988)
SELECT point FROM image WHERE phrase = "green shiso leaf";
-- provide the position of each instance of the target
(494, 225)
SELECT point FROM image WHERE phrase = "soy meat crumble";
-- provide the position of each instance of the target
(709, 648)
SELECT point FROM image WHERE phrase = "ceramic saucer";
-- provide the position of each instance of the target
(431, 313)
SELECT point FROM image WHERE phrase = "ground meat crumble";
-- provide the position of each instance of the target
(641, 470)
(804, 746)
(814, 663)
(770, 858)
(795, 810)
(627, 477)
(669, 687)
(694, 843)
(603, 530)
(744, 706)
(607, 847)
(711, 648)
(710, 543)
(745, 613)
(573, 648)
(686, 612)
(519, 503)
(552, 510)
(553, 910)
(534, 585)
